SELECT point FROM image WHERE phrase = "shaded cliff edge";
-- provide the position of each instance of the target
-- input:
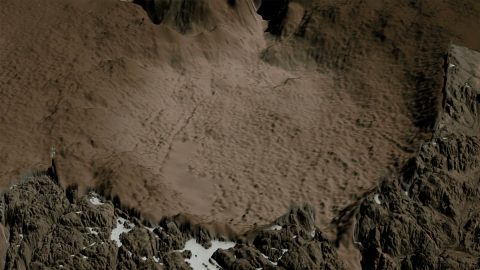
(428, 216)
(425, 217)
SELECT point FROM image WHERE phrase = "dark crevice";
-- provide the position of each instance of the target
(274, 11)
(156, 9)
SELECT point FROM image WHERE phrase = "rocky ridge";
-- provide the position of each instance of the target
(425, 217)
(43, 229)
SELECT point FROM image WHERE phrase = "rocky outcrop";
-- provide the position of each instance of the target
(429, 216)
(291, 242)
(46, 230)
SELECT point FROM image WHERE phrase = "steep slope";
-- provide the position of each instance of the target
(428, 217)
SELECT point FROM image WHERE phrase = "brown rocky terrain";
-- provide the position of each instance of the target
(44, 230)
(204, 113)
(426, 216)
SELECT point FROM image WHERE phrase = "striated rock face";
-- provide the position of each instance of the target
(429, 217)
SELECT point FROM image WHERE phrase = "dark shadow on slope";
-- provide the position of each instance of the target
(274, 11)
(156, 9)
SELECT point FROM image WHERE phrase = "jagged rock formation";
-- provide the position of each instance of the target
(292, 242)
(45, 230)
(429, 216)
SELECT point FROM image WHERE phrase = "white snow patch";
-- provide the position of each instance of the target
(279, 258)
(72, 255)
(149, 228)
(283, 253)
(201, 256)
(451, 65)
(115, 236)
(268, 259)
(294, 237)
(92, 231)
(312, 233)
(92, 244)
(143, 258)
(95, 201)
(78, 212)
(84, 257)
(376, 198)
(284, 250)
(61, 266)
(275, 228)
(156, 259)
(406, 193)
